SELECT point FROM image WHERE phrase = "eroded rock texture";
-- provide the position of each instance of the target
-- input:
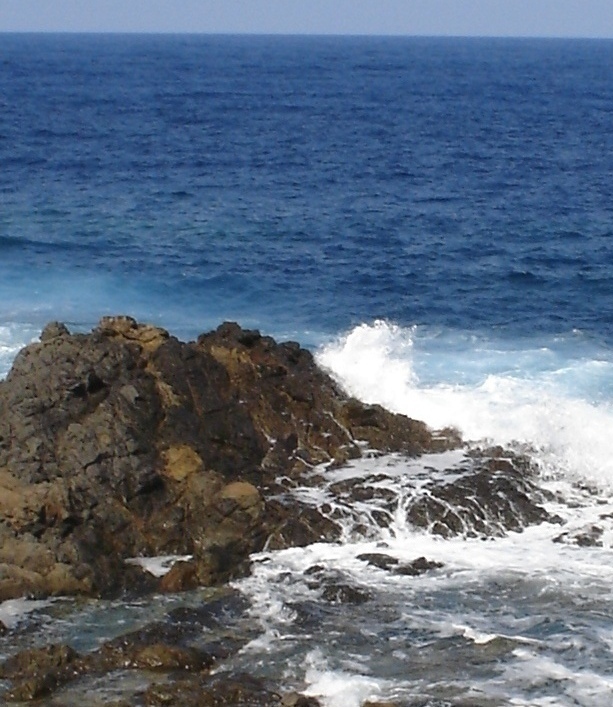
(127, 442)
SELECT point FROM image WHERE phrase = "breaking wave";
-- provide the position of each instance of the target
(553, 396)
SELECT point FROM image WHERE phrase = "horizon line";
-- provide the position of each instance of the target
(213, 33)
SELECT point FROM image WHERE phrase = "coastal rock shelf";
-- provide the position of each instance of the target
(127, 442)
(125, 449)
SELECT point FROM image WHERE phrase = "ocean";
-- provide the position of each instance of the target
(433, 218)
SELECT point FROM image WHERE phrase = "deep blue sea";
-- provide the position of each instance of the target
(433, 218)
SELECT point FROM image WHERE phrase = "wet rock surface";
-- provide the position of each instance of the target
(392, 564)
(498, 494)
(127, 443)
(489, 493)
(174, 657)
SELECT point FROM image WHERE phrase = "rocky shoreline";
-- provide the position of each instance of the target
(128, 443)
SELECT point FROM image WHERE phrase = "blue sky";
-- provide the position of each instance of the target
(545, 18)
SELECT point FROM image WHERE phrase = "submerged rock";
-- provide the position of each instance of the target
(221, 689)
(379, 559)
(172, 657)
(589, 536)
(37, 672)
(343, 593)
(127, 442)
(419, 566)
(388, 563)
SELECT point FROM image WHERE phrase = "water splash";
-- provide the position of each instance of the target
(536, 395)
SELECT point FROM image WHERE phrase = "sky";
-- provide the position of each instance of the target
(541, 18)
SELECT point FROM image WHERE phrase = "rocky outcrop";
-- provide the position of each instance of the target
(127, 442)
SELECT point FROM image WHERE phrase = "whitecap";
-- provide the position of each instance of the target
(536, 396)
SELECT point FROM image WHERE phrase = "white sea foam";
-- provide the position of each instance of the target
(157, 566)
(538, 396)
(520, 603)
(13, 611)
(338, 688)
(14, 337)
(583, 687)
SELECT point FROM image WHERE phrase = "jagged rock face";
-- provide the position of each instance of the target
(129, 442)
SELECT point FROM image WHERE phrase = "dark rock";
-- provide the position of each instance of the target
(486, 493)
(294, 525)
(294, 699)
(314, 570)
(162, 645)
(495, 495)
(311, 614)
(223, 610)
(38, 661)
(417, 567)
(33, 688)
(386, 562)
(340, 593)
(158, 647)
(392, 433)
(127, 442)
(177, 647)
(150, 656)
(365, 491)
(589, 536)
(37, 672)
(221, 689)
(383, 562)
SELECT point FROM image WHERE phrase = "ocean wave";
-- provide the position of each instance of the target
(553, 396)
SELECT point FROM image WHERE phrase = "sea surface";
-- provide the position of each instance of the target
(434, 219)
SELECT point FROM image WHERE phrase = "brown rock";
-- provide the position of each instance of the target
(180, 462)
(241, 496)
(38, 660)
(37, 672)
(159, 656)
(127, 442)
(16, 581)
(221, 689)
(158, 646)
(63, 579)
(54, 329)
(295, 699)
(181, 577)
